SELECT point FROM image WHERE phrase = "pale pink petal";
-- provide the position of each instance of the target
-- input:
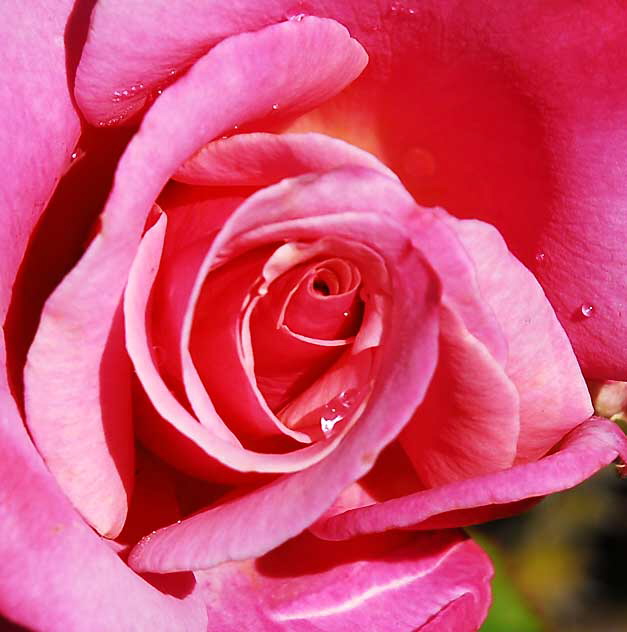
(92, 462)
(541, 363)
(39, 123)
(587, 449)
(261, 159)
(109, 94)
(468, 424)
(391, 583)
(55, 572)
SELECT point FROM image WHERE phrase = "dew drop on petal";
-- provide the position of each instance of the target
(346, 314)
(298, 17)
(73, 156)
(586, 310)
(336, 410)
(275, 106)
(540, 257)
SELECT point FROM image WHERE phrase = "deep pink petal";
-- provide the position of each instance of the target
(468, 424)
(390, 583)
(585, 450)
(541, 363)
(193, 218)
(215, 344)
(55, 572)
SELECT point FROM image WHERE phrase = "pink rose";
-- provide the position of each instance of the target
(271, 376)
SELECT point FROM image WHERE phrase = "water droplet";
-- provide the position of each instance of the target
(540, 257)
(159, 91)
(172, 72)
(587, 309)
(275, 106)
(73, 156)
(262, 291)
(235, 126)
(125, 93)
(336, 410)
(346, 313)
(298, 17)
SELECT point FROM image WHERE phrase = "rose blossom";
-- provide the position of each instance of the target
(334, 355)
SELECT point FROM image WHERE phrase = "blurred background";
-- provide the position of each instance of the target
(562, 566)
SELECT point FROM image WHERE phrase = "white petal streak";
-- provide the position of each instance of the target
(358, 600)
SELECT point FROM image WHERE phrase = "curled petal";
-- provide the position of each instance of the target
(587, 449)
(541, 363)
(262, 159)
(400, 584)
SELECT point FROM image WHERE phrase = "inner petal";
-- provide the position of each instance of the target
(326, 303)
(298, 332)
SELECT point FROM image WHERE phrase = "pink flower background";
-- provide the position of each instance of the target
(190, 156)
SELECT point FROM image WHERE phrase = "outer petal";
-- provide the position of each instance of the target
(77, 320)
(39, 124)
(553, 394)
(56, 573)
(468, 424)
(390, 583)
(585, 450)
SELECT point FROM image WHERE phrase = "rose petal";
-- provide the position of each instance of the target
(390, 583)
(553, 394)
(35, 99)
(585, 450)
(44, 544)
(92, 462)
(215, 348)
(111, 93)
(262, 159)
(468, 424)
(76, 321)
